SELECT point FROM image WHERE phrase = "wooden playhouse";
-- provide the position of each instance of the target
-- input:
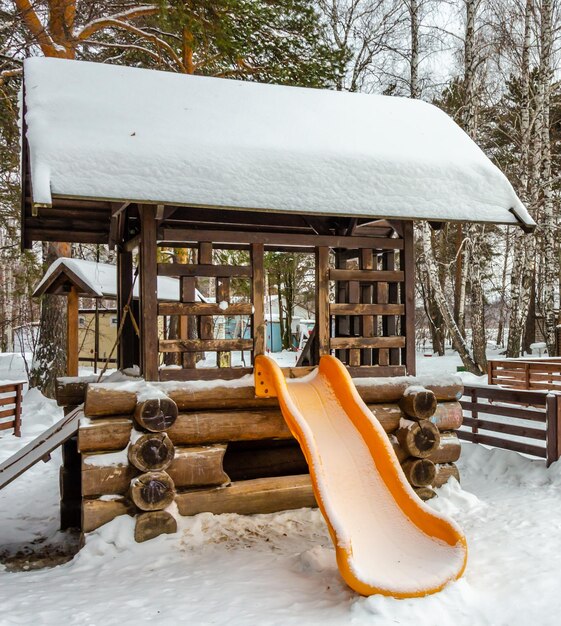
(143, 161)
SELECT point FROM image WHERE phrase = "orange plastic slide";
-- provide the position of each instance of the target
(386, 539)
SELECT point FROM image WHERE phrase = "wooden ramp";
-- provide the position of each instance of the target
(40, 448)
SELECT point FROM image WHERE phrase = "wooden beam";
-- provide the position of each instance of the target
(148, 293)
(202, 345)
(367, 342)
(48, 234)
(167, 235)
(408, 324)
(367, 275)
(203, 308)
(202, 270)
(258, 325)
(72, 345)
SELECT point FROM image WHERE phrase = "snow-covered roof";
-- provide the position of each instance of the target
(99, 280)
(120, 133)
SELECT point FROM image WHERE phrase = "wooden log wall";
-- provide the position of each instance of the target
(223, 450)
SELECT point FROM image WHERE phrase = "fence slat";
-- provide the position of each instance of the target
(505, 444)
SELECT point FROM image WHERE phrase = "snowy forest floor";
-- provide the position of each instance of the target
(279, 568)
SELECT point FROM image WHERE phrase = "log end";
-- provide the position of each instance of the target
(153, 524)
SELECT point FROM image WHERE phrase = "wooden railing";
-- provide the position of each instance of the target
(10, 407)
(518, 420)
(525, 373)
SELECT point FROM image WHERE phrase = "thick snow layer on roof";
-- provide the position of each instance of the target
(101, 279)
(122, 133)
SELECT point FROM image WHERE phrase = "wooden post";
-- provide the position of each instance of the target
(72, 332)
(148, 293)
(408, 321)
(258, 297)
(17, 418)
(205, 321)
(187, 327)
(322, 300)
(367, 263)
(223, 359)
(552, 414)
(96, 335)
(128, 342)
(474, 414)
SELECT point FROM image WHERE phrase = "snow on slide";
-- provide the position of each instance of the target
(386, 539)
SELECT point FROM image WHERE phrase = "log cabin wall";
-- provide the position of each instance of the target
(364, 293)
(223, 450)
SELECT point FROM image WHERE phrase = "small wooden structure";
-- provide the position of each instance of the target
(10, 406)
(209, 165)
(544, 373)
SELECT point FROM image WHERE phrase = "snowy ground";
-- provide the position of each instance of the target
(280, 568)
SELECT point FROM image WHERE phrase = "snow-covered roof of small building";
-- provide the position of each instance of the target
(99, 280)
(128, 134)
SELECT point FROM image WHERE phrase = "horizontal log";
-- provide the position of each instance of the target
(191, 467)
(72, 391)
(342, 343)
(155, 414)
(418, 439)
(152, 491)
(448, 416)
(107, 434)
(444, 472)
(152, 524)
(203, 345)
(425, 493)
(448, 449)
(383, 276)
(204, 270)
(204, 308)
(248, 497)
(104, 399)
(152, 451)
(418, 403)
(111, 399)
(419, 472)
(97, 512)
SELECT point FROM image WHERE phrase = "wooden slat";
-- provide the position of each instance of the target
(203, 308)
(224, 359)
(367, 342)
(148, 293)
(515, 446)
(534, 398)
(342, 308)
(8, 413)
(322, 300)
(366, 298)
(204, 270)
(7, 425)
(7, 401)
(380, 276)
(506, 411)
(168, 236)
(376, 371)
(8, 388)
(203, 345)
(205, 258)
(188, 324)
(507, 429)
(258, 299)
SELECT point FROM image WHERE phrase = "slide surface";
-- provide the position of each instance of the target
(386, 539)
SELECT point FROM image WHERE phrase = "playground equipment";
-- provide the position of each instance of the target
(387, 541)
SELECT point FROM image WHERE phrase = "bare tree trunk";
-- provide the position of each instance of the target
(431, 269)
(524, 245)
(415, 91)
(500, 329)
(549, 251)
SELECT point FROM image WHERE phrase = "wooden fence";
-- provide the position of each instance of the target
(518, 420)
(525, 373)
(10, 407)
